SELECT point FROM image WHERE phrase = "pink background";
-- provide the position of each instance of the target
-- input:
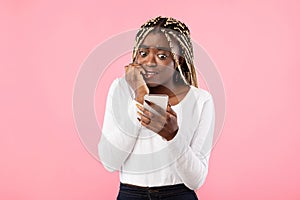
(254, 44)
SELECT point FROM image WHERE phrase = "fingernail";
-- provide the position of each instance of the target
(148, 102)
(139, 107)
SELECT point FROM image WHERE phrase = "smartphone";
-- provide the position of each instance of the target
(159, 99)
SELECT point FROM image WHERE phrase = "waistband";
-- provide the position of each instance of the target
(166, 188)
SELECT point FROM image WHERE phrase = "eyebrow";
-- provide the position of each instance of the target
(159, 48)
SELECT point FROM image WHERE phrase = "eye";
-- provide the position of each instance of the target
(143, 53)
(162, 56)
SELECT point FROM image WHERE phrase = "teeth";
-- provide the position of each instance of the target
(150, 74)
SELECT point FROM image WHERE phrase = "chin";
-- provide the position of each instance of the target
(153, 84)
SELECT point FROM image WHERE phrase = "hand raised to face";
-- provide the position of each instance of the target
(134, 77)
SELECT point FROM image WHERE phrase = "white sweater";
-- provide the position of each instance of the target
(142, 156)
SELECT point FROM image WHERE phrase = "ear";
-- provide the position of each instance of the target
(181, 60)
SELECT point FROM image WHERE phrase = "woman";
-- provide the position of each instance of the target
(161, 154)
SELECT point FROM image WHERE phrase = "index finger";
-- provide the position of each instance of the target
(157, 108)
(170, 110)
(138, 67)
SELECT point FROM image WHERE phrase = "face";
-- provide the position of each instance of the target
(155, 57)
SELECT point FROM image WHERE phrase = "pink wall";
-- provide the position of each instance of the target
(255, 46)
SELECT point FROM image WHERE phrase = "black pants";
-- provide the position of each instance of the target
(170, 192)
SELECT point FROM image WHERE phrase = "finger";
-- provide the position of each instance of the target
(157, 121)
(159, 124)
(134, 63)
(152, 126)
(157, 108)
(129, 69)
(150, 120)
(126, 68)
(171, 111)
(153, 116)
(140, 107)
(143, 109)
(135, 72)
(138, 67)
(148, 113)
(158, 118)
(144, 118)
(168, 117)
(144, 124)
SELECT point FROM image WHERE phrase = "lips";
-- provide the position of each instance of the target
(150, 74)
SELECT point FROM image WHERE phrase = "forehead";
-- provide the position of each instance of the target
(156, 39)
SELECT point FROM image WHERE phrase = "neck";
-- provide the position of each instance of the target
(170, 90)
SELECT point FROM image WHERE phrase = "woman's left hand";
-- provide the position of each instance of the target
(161, 122)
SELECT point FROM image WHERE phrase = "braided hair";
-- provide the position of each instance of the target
(173, 30)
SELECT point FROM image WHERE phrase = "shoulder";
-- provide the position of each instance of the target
(118, 82)
(200, 94)
(120, 86)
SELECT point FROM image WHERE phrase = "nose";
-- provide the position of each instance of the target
(150, 61)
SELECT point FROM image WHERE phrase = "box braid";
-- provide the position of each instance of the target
(173, 30)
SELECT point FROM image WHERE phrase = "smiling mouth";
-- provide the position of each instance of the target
(150, 74)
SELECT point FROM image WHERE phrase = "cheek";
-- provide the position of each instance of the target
(168, 66)
(167, 71)
(139, 59)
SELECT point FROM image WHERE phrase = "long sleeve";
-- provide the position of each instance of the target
(192, 166)
(120, 127)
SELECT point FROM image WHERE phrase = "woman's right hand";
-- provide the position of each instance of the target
(134, 77)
